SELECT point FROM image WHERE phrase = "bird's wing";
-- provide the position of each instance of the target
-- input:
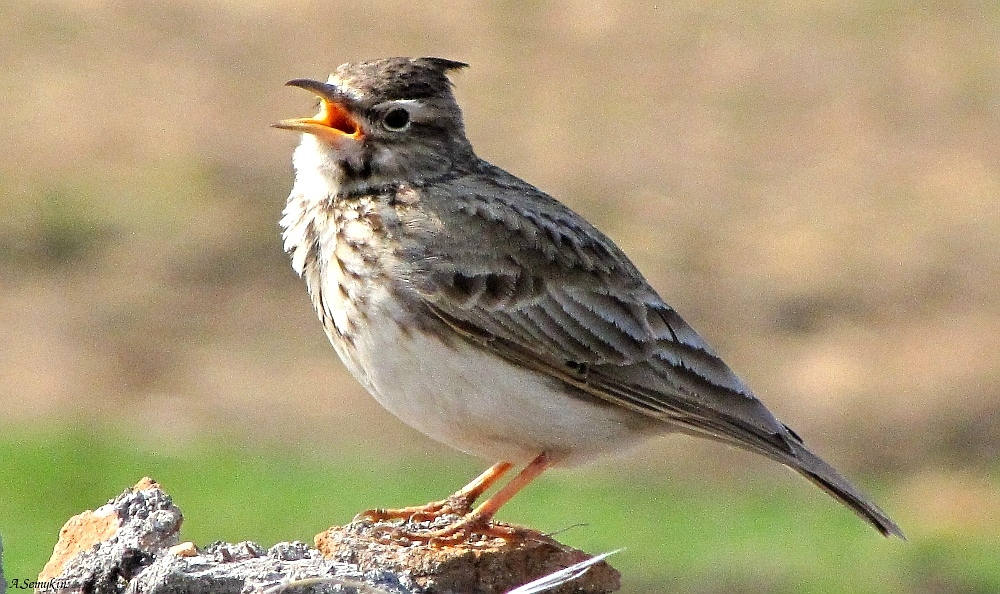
(521, 275)
(527, 278)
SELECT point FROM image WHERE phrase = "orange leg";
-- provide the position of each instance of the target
(478, 520)
(459, 503)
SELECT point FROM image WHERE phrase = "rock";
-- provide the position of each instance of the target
(111, 544)
(224, 568)
(132, 545)
(482, 564)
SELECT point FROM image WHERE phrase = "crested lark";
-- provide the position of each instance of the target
(485, 313)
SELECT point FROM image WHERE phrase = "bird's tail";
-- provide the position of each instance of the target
(827, 478)
(785, 446)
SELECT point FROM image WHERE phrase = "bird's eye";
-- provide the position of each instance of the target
(397, 119)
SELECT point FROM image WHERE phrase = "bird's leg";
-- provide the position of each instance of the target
(478, 520)
(458, 503)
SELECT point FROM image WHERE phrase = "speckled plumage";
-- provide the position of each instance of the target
(486, 313)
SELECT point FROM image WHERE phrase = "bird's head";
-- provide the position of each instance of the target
(380, 122)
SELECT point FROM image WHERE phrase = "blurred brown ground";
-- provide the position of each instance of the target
(814, 186)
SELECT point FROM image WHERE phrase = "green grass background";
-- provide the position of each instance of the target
(678, 534)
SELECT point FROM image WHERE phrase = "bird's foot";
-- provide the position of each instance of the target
(461, 530)
(457, 504)
(467, 524)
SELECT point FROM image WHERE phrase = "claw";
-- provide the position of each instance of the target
(473, 524)
(431, 510)
(459, 503)
(470, 521)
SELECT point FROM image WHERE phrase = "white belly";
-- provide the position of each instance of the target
(482, 405)
(451, 391)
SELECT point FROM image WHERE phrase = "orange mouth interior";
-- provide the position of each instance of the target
(334, 116)
(333, 122)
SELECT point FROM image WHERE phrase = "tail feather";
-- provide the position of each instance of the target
(827, 478)
(786, 447)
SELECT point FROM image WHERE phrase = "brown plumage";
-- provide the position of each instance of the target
(488, 314)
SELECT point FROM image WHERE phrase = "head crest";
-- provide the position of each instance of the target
(443, 65)
(398, 78)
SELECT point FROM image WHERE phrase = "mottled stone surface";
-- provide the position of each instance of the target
(132, 545)
(481, 564)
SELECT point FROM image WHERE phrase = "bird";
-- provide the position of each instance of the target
(487, 314)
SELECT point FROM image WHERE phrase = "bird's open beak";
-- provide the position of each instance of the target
(334, 121)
